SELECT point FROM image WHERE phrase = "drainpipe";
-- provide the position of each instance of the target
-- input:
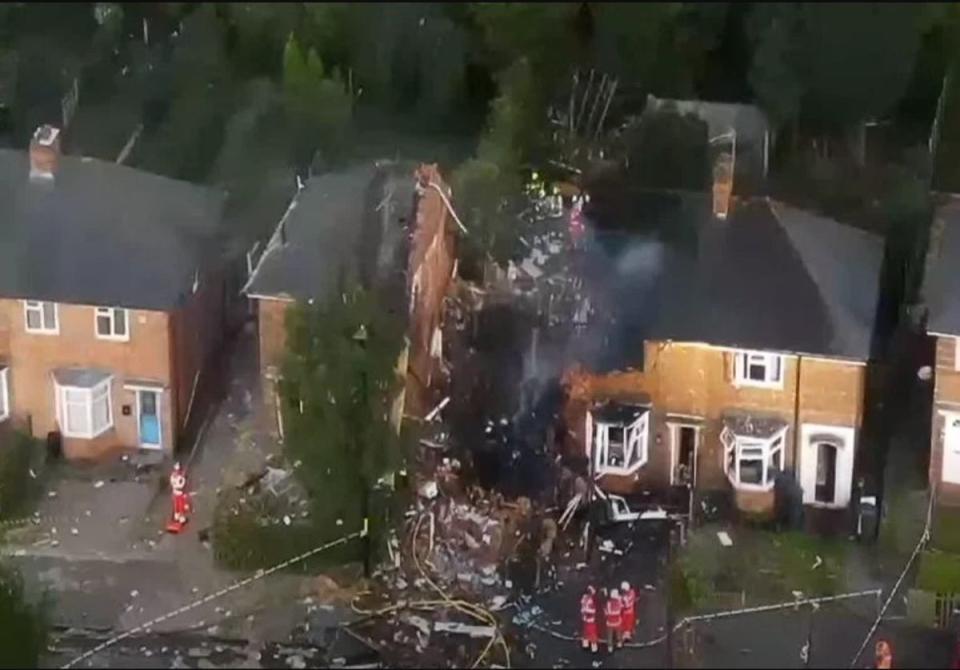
(796, 420)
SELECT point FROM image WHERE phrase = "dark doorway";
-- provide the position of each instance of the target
(826, 472)
(686, 454)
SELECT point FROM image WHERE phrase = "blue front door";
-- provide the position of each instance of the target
(149, 419)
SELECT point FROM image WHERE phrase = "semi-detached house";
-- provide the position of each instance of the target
(111, 299)
(725, 351)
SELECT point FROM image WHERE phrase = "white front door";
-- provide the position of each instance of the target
(826, 464)
(951, 448)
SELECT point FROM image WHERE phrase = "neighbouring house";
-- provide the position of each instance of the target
(381, 224)
(723, 352)
(942, 293)
(111, 299)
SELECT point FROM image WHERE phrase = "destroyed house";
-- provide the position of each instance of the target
(111, 299)
(383, 225)
(721, 352)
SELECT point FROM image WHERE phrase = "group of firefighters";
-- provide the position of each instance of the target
(619, 617)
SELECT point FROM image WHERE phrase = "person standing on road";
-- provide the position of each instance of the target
(588, 617)
(613, 618)
(629, 599)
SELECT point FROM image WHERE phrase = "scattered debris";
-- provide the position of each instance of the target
(724, 538)
(456, 628)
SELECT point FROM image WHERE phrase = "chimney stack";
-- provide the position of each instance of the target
(44, 152)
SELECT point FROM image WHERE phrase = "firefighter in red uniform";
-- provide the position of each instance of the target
(629, 599)
(884, 655)
(613, 619)
(588, 617)
(181, 500)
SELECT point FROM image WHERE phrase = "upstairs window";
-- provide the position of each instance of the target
(111, 323)
(757, 368)
(40, 317)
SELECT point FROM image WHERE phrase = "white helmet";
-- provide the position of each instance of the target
(614, 594)
(625, 586)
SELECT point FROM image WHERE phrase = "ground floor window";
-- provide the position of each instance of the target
(85, 412)
(620, 447)
(752, 462)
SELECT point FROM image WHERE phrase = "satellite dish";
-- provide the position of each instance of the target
(925, 373)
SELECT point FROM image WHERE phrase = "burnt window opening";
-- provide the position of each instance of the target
(826, 488)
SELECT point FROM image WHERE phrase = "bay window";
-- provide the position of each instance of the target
(85, 412)
(752, 462)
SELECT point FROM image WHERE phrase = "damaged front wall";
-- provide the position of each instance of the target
(693, 384)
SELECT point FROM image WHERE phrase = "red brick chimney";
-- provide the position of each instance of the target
(44, 152)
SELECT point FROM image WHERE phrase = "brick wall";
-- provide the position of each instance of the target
(33, 357)
(272, 343)
(430, 266)
(696, 381)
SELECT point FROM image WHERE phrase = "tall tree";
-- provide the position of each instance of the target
(318, 105)
(339, 384)
(833, 65)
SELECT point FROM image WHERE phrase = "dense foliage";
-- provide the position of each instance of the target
(340, 383)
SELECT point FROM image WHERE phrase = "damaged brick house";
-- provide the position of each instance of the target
(734, 349)
(383, 224)
(111, 299)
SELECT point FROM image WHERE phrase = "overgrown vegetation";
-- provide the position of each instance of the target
(20, 471)
(760, 568)
(340, 383)
(23, 625)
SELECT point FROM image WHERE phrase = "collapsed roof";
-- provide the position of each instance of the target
(342, 226)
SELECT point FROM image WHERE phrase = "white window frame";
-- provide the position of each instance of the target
(37, 307)
(89, 393)
(956, 353)
(843, 477)
(773, 365)
(4, 393)
(947, 475)
(111, 313)
(635, 445)
(771, 453)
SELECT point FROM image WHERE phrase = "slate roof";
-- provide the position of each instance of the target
(942, 281)
(771, 277)
(341, 226)
(103, 234)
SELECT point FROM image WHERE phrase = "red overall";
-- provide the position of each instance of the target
(613, 615)
(180, 500)
(577, 227)
(629, 600)
(588, 617)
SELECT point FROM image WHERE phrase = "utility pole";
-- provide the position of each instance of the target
(360, 337)
(668, 661)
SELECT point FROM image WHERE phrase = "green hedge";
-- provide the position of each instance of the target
(19, 453)
(250, 535)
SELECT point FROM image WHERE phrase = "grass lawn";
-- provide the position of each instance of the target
(760, 567)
